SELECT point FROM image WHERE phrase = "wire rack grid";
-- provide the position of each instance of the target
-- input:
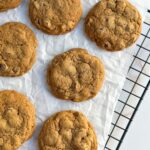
(136, 85)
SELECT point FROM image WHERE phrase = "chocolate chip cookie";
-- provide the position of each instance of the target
(9, 4)
(113, 24)
(17, 120)
(55, 16)
(17, 49)
(67, 130)
(75, 75)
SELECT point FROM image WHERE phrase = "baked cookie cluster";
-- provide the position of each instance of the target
(17, 119)
(67, 130)
(9, 4)
(113, 24)
(55, 16)
(74, 75)
(17, 49)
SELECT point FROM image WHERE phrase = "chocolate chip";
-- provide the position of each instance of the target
(16, 69)
(3, 67)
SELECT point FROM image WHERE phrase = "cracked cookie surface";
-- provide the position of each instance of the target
(67, 130)
(75, 75)
(17, 49)
(113, 24)
(9, 4)
(55, 16)
(17, 119)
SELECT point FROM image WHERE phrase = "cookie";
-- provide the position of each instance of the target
(9, 4)
(75, 75)
(17, 120)
(17, 49)
(67, 130)
(55, 16)
(113, 24)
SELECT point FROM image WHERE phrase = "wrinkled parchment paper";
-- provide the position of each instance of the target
(100, 109)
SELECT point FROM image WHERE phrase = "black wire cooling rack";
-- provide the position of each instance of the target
(136, 85)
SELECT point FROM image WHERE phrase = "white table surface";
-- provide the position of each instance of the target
(138, 135)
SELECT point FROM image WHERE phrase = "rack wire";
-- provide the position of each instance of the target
(136, 85)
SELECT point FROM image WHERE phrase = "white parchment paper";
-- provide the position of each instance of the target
(100, 109)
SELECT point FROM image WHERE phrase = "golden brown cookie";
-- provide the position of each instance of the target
(75, 75)
(55, 16)
(17, 120)
(17, 49)
(9, 4)
(67, 130)
(113, 24)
